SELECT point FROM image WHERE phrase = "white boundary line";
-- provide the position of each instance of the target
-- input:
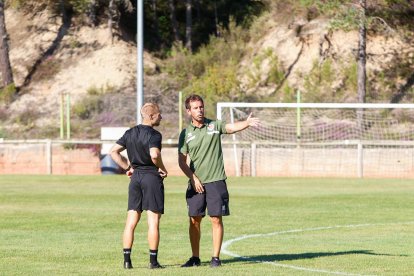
(226, 244)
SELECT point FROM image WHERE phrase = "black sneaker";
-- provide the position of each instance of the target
(155, 266)
(128, 265)
(215, 262)
(193, 261)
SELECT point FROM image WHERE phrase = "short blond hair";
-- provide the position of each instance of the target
(149, 109)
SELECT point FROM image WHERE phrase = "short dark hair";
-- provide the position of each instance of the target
(192, 98)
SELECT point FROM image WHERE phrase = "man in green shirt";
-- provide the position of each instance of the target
(207, 179)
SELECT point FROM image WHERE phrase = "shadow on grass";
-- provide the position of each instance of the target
(284, 257)
(301, 256)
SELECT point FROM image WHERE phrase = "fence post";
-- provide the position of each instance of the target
(253, 159)
(68, 116)
(180, 112)
(360, 160)
(236, 161)
(49, 156)
(298, 118)
(61, 112)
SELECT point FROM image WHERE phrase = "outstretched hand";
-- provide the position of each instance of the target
(252, 121)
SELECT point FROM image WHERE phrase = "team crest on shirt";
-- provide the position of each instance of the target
(210, 129)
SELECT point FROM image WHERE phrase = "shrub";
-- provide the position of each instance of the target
(85, 108)
(7, 93)
(27, 117)
(217, 84)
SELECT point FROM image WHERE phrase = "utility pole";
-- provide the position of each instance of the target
(140, 59)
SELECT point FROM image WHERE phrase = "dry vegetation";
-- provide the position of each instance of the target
(287, 48)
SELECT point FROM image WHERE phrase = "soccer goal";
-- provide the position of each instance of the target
(321, 139)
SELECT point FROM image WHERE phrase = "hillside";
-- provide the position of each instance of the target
(301, 46)
(283, 53)
(84, 63)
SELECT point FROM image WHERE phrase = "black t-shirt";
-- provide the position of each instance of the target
(138, 141)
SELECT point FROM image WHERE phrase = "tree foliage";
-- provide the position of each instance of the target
(207, 17)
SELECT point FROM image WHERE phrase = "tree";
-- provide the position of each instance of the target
(361, 68)
(216, 19)
(188, 25)
(5, 67)
(362, 75)
(111, 12)
(173, 19)
(91, 12)
(155, 19)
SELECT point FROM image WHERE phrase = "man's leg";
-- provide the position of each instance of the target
(194, 231)
(153, 229)
(133, 218)
(153, 237)
(218, 232)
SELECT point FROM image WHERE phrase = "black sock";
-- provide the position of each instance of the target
(153, 256)
(127, 255)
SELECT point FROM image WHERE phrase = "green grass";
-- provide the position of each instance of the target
(72, 225)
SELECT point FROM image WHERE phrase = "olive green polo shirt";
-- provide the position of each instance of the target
(203, 145)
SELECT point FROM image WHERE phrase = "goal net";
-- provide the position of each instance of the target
(305, 139)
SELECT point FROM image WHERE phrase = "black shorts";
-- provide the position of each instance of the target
(215, 198)
(146, 192)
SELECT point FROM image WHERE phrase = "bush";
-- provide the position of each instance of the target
(85, 108)
(7, 93)
(3, 133)
(318, 83)
(27, 117)
(212, 71)
(217, 84)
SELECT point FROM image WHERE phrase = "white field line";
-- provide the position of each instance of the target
(226, 244)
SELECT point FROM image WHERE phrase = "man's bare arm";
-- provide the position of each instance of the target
(239, 126)
(157, 160)
(182, 162)
(117, 157)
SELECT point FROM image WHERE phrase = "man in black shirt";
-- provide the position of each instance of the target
(146, 171)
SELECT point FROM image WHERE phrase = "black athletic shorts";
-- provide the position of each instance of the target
(146, 191)
(215, 198)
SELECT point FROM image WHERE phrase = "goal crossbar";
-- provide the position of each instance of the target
(222, 105)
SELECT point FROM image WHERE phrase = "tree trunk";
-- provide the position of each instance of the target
(155, 19)
(216, 19)
(361, 71)
(92, 13)
(197, 6)
(174, 21)
(189, 26)
(110, 19)
(5, 67)
(362, 53)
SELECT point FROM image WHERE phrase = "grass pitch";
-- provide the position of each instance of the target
(72, 225)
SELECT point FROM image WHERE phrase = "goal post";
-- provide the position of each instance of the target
(321, 139)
